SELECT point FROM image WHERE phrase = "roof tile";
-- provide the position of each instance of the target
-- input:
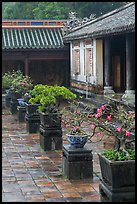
(18, 38)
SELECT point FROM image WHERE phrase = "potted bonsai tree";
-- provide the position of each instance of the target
(19, 85)
(74, 119)
(7, 79)
(49, 99)
(117, 164)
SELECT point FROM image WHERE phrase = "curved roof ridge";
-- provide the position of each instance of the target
(101, 17)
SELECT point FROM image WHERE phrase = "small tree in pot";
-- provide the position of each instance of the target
(49, 99)
(118, 164)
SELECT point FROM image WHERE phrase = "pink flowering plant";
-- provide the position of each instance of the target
(20, 83)
(116, 121)
(111, 119)
(74, 118)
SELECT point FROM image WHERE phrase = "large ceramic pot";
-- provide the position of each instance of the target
(77, 141)
(21, 102)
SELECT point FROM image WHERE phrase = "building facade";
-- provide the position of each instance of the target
(102, 52)
(36, 48)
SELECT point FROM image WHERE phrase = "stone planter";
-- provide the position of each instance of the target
(50, 120)
(21, 113)
(3, 101)
(32, 118)
(50, 131)
(13, 106)
(32, 123)
(31, 108)
(118, 180)
(8, 98)
(13, 101)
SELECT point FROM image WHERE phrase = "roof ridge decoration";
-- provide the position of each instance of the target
(75, 23)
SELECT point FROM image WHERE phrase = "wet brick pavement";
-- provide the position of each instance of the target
(30, 174)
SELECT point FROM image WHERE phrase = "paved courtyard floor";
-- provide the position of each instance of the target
(30, 174)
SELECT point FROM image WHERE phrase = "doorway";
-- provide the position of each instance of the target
(118, 46)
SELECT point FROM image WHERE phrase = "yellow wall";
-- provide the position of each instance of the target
(99, 61)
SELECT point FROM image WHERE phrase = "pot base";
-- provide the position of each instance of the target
(107, 195)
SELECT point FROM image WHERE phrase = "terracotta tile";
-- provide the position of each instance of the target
(54, 194)
(74, 194)
(45, 184)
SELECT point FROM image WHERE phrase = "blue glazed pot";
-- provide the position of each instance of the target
(77, 141)
(21, 102)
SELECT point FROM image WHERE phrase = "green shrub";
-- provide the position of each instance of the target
(49, 97)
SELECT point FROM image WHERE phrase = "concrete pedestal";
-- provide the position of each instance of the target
(32, 123)
(21, 113)
(13, 106)
(50, 139)
(77, 162)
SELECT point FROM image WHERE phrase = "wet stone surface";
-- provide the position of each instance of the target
(30, 174)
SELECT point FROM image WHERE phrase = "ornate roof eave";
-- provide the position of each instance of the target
(101, 34)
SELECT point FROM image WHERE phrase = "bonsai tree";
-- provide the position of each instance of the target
(49, 97)
(110, 119)
(115, 121)
(20, 84)
(6, 81)
(16, 82)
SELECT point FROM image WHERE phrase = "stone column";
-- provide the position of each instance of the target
(107, 67)
(129, 95)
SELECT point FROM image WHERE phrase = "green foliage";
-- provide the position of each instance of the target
(55, 10)
(16, 81)
(6, 80)
(49, 97)
(121, 155)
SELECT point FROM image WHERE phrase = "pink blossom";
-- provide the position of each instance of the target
(97, 115)
(102, 107)
(75, 128)
(99, 134)
(92, 126)
(118, 129)
(99, 110)
(127, 133)
(67, 125)
(109, 117)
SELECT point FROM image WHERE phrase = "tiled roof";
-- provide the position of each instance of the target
(29, 38)
(117, 21)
